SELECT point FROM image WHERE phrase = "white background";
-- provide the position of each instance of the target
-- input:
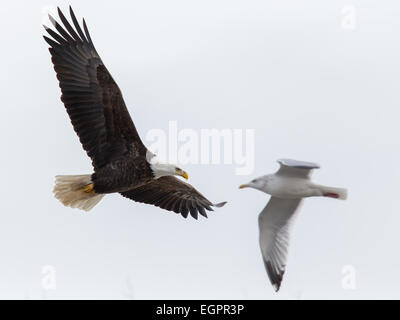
(311, 89)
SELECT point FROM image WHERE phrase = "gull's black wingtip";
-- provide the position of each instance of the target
(274, 277)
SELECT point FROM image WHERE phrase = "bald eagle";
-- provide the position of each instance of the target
(100, 118)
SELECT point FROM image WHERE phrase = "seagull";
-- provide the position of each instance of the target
(287, 187)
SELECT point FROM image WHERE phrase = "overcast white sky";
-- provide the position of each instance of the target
(311, 89)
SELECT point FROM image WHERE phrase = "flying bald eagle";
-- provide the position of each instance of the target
(100, 118)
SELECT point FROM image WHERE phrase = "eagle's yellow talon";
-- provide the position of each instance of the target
(88, 188)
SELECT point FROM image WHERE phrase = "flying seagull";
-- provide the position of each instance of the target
(100, 118)
(287, 187)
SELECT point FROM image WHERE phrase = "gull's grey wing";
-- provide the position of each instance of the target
(295, 168)
(275, 222)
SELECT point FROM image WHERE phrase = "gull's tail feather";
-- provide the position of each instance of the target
(331, 192)
(76, 191)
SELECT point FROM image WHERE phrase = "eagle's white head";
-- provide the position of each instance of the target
(162, 169)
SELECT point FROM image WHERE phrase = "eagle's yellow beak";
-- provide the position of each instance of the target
(243, 186)
(182, 173)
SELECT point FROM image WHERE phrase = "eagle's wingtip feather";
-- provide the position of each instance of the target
(221, 204)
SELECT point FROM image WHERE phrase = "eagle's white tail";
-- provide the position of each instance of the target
(76, 191)
(331, 192)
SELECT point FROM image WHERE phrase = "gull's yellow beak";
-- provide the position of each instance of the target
(242, 186)
(182, 173)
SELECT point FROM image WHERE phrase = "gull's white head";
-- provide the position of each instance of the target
(162, 169)
(258, 183)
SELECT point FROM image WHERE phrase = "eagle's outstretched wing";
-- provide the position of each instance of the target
(92, 98)
(174, 195)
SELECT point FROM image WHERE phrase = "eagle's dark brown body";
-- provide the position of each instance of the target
(122, 175)
(100, 118)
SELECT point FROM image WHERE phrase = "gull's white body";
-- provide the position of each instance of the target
(287, 187)
(290, 187)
